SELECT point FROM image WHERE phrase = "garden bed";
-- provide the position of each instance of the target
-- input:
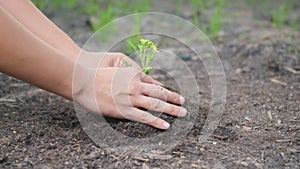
(258, 129)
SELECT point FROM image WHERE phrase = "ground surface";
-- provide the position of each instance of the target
(260, 127)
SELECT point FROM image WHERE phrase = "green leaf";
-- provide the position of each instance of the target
(131, 45)
(127, 64)
(147, 70)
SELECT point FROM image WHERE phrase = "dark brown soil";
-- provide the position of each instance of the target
(260, 127)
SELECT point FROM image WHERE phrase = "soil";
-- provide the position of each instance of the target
(259, 128)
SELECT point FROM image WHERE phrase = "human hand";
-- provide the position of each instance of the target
(115, 90)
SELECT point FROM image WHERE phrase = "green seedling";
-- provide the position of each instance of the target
(136, 29)
(279, 17)
(105, 17)
(294, 48)
(212, 26)
(197, 6)
(215, 23)
(146, 50)
(295, 25)
(136, 7)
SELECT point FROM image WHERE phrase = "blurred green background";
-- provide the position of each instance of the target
(206, 15)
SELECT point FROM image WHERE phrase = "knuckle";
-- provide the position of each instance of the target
(158, 105)
(134, 100)
(135, 86)
(171, 108)
(172, 96)
(146, 117)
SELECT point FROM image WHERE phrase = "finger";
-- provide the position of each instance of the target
(121, 60)
(158, 83)
(147, 118)
(159, 106)
(147, 79)
(161, 93)
(127, 60)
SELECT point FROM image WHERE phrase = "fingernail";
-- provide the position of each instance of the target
(182, 100)
(183, 112)
(166, 125)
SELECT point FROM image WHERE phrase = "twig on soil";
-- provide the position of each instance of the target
(278, 82)
(291, 70)
(141, 159)
(157, 156)
(283, 141)
(220, 137)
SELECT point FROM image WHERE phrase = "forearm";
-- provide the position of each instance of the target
(37, 23)
(28, 58)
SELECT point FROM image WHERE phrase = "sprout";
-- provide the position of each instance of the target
(146, 50)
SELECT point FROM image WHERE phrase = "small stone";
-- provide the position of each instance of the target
(247, 118)
(244, 163)
(194, 58)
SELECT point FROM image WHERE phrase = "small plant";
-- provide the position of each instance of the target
(294, 48)
(279, 17)
(211, 26)
(101, 18)
(136, 7)
(197, 6)
(146, 50)
(295, 25)
(215, 23)
(136, 29)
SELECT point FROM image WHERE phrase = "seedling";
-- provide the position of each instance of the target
(279, 17)
(212, 25)
(295, 25)
(104, 17)
(136, 7)
(215, 23)
(136, 29)
(145, 50)
(294, 48)
(197, 5)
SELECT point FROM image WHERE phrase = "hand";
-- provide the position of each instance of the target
(120, 92)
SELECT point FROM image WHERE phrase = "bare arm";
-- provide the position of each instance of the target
(28, 58)
(37, 23)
